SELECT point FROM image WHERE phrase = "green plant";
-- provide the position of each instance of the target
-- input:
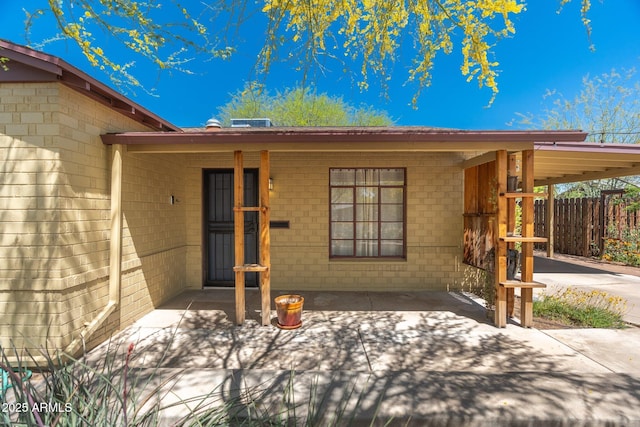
(621, 250)
(488, 290)
(593, 309)
(622, 243)
(103, 392)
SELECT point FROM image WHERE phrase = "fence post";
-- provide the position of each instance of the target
(591, 226)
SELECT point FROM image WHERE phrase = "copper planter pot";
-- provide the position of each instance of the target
(289, 310)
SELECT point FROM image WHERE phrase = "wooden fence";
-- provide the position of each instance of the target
(581, 226)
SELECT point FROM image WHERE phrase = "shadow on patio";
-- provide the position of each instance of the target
(423, 355)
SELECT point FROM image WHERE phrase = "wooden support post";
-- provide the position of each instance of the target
(511, 226)
(500, 251)
(550, 220)
(238, 220)
(265, 238)
(526, 294)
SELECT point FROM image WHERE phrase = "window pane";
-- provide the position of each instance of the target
(392, 177)
(367, 195)
(391, 230)
(367, 176)
(391, 212)
(342, 176)
(342, 247)
(342, 195)
(366, 212)
(392, 195)
(367, 230)
(342, 230)
(391, 248)
(342, 212)
(366, 248)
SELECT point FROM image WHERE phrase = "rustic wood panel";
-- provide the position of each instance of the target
(471, 190)
(479, 215)
(478, 240)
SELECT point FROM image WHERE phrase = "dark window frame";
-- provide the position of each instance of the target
(379, 239)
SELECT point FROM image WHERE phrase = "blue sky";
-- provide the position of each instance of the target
(548, 51)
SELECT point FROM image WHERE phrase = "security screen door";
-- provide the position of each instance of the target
(218, 215)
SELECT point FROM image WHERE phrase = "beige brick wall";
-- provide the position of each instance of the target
(28, 220)
(55, 218)
(300, 255)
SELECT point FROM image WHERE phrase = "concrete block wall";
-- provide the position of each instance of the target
(30, 220)
(300, 255)
(154, 238)
(55, 218)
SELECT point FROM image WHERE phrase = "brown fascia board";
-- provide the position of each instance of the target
(30, 57)
(35, 66)
(327, 135)
(588, 147)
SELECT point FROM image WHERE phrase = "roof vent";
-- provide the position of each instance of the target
(251, 123)
(212, 124)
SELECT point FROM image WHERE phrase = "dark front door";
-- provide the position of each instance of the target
(218, 216)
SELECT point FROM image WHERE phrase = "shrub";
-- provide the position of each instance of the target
(593, 309)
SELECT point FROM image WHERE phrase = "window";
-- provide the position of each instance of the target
(367, 212)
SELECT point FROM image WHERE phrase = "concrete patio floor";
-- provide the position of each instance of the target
(420, 358)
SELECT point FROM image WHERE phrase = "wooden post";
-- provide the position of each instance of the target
(238, 220)
(585, 226)
(500, 251)
(550, 220)
(511, 226)
(265, 238)
(603, 229)
(526, 294)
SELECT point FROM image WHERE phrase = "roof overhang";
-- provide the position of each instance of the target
(561, 156)
(342, 139)
(28, 65)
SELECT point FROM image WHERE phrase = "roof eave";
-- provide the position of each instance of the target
(52, 68)
(338, 139)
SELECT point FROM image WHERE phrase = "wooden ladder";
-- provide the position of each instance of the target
(506, 220)
(264, 265)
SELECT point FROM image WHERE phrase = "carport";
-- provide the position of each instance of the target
(490, 202)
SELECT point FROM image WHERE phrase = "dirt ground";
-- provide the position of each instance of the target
(541, 322)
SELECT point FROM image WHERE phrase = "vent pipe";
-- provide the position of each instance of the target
(213, 125)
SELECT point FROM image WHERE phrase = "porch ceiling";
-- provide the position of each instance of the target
(563, 162)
